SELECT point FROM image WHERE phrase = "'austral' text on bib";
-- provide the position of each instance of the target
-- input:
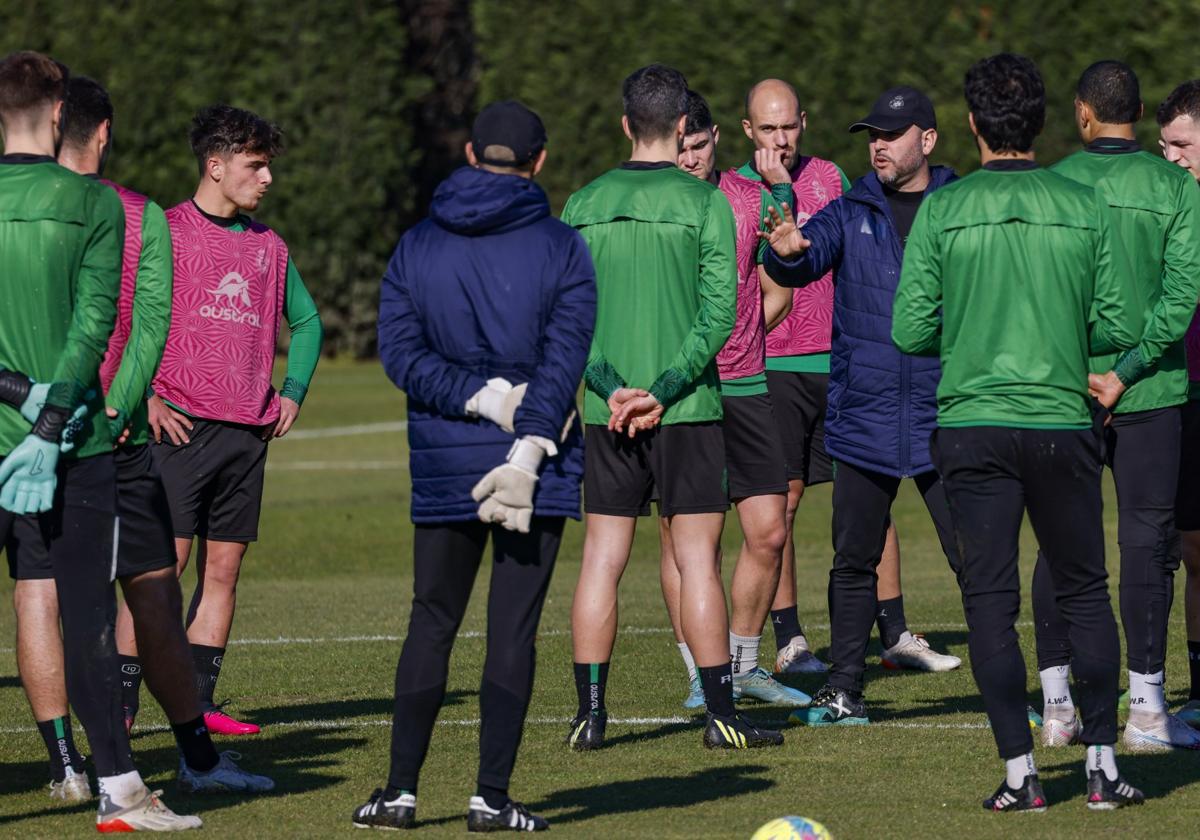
(225, 310)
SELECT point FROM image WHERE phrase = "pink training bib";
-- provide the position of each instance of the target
(808, 327)
(744, 354)
(225, 312)
(135, 206)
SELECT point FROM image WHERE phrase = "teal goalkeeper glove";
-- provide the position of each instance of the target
(28, 476)
(30, 397)
(506, 493)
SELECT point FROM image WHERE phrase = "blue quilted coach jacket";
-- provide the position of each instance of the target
(489, 285)
(882, 403)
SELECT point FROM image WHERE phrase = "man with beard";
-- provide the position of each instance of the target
(882, 402)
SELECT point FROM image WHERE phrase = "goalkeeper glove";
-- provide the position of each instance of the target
(498, 402)
(29, 397)
(27, 474)
(506, 493)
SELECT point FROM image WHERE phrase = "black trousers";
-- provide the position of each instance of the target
(1142, 448)
(993, 475)
(73, 543)
(446, 558)
(862, 503)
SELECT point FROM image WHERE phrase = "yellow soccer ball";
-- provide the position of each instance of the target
(792, 828)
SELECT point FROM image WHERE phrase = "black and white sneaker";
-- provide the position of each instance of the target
(1028, 797)
(378, 813)
(734, 732)
(512, 817)
(833, 707)
(1104, 795)
(587, 730)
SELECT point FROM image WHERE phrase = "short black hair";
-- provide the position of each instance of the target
(1006, 96)
(1111, 88)
(654, 97)
(223, 130)
(1184, 101)
(699, 117)
(87, 107)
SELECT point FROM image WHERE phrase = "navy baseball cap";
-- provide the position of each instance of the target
(511, 125)
(896, 109)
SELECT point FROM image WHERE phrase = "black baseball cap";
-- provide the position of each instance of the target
(896, 109)
(511, 125)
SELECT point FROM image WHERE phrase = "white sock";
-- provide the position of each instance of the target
(1016, 769)
(686, 653)
(1146, 692)
(1056, 689)
(743, 653)
(1102, 757)
(123, 790)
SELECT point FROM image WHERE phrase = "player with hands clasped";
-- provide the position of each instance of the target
(485, 317)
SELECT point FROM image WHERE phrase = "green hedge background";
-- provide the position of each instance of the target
(375, 97)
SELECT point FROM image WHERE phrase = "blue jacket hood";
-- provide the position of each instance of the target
(869, 189)
(474, 202)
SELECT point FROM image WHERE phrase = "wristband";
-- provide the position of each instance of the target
(293, 390)
(14, 387)
(668, 386)
(50, 424)
(526, 454)
(1130, 367)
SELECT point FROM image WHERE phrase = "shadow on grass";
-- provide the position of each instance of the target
(1157, 775)
(334, 710)
(646, 794)
(298, 761)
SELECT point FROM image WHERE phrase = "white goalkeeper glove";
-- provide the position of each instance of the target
(506, 493)
(498, 402)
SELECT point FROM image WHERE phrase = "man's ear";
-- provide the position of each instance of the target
(472, 160)
(539, 162)
(625, 127)
(716, 132)
(929, 139)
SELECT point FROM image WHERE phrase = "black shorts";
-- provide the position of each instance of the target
(681, 466)
(215, 482)
(146, 541)
(753, 450)
(83, 521)
(1187, 496)
(798, 400)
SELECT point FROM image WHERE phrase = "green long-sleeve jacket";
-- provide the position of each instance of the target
(1014, 277)
(61, 236)
(666, 284)
(1156, 215)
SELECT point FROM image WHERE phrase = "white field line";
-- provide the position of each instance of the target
(533, 721)
(482, 634)
(346, 431)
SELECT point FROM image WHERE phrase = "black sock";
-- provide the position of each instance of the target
(718, 689)
(1194, 667)
(131, 683)
(391, 792)
(889, 617)
(786, 624)
(496, 798)
(196, 744)
(56, 732)
(208, 668)
(590, 681)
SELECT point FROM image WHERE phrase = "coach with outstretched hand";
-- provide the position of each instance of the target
(485, 319)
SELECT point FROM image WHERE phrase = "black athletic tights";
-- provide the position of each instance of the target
(1142, 448)
(862, 501)
(993, 475)
(446, 558)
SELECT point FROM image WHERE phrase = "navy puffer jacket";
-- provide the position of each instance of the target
(882, 403)
(489, 286)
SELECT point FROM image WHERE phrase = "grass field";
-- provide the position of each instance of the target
(323, 604)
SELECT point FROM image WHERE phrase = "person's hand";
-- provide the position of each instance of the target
(35, 401)
(163, 418)
(28, 478)
(769, 164)
(782, 235)
(638, 414)
(1107, 388)
(506, 493)
(498, 402)
(289, 410)
(616, 403)
(117, 427)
